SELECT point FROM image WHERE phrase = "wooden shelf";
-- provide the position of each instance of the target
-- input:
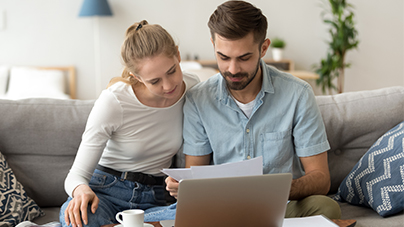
(304, 75)
(284, 65)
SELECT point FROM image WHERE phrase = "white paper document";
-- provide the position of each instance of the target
(312, 221)
(250, 167)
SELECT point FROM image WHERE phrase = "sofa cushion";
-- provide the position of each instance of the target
(354, 121)
(366, 217)
(15, 205)
(377, 180)
(40, 142)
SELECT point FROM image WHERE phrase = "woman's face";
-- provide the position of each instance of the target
(162, 76)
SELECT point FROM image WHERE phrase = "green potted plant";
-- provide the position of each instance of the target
(339, 15)
(277, 45)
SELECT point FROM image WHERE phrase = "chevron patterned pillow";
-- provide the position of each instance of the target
(377, 180)
(15, 205)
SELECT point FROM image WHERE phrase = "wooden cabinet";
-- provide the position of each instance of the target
(284, 64)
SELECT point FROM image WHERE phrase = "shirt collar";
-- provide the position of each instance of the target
(267, 85)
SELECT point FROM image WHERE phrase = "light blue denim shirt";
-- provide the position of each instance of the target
(285, 123)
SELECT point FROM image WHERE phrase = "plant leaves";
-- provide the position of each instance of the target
(343, 38)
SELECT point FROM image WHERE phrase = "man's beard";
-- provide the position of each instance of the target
(241, 84)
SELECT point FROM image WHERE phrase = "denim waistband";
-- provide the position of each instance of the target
(134, 176)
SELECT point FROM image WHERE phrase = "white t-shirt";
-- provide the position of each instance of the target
(247, 108)
(126, 135)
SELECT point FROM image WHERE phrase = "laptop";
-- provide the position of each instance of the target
(233, 201)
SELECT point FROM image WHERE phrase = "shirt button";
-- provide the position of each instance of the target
(248, 157)
(248, 130)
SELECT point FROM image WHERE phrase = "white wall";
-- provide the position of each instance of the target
(50, 33)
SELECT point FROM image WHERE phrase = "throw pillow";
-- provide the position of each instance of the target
(26, 82)
(377, 180)
(15, 205)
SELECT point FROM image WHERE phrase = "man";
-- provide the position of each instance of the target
(250, 109)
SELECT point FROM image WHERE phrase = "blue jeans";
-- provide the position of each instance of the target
(117, 194)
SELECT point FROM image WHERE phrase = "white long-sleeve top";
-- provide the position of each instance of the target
(126, 135)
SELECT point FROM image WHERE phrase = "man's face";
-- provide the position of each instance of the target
(238, 60)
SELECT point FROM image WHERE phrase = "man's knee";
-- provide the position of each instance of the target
(326, 206)
(314, 205)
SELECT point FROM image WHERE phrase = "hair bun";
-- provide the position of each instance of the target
(136, 26)
(143, 22)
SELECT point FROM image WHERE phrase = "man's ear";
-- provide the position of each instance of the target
(265, 47)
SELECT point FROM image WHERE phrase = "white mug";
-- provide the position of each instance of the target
(131, 218)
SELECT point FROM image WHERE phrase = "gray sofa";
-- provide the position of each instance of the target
(40, 137)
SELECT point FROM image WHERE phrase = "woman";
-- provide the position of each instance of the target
(133, 131)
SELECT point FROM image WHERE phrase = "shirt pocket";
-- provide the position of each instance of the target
(277, 151)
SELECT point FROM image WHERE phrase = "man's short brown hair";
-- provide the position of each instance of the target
(236, 19)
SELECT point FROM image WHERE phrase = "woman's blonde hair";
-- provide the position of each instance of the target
(143, 40)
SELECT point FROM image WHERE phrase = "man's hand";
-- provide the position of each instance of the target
(172, 186)
(77, 208)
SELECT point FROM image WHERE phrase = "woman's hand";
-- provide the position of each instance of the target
(172, 186)
(77, 208)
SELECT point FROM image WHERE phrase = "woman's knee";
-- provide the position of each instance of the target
(62, 212)
(102, 216)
